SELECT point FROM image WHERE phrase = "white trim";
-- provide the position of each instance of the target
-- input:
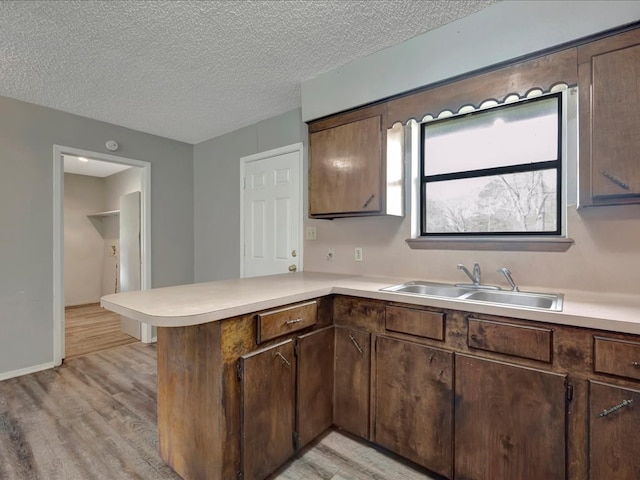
(296, 147)
(58, 237)
(26, 371)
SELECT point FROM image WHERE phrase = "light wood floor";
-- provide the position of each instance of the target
(90, 328)
(94, 418)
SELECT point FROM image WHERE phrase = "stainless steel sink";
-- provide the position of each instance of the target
(519, 299)
(428, 288)
(488, 294)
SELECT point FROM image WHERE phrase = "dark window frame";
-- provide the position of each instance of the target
(484, 172)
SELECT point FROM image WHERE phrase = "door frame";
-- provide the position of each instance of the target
(296, 147)
(58, 236)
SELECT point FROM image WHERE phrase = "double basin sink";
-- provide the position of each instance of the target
(482, 294)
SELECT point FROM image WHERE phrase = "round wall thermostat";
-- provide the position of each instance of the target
(112, 145)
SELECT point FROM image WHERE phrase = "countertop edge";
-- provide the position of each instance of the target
(578, 313)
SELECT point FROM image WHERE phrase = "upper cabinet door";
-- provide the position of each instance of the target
(356, 164)
(344, 175)
(609, 84)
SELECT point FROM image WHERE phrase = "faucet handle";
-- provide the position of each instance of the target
(507, 273)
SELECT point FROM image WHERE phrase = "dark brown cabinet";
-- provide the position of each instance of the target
(267, 409)
(609, 85)
(414, 403)
(510, 421)
(352, 381)
(614, 423)
(314, 412)
(355, 165)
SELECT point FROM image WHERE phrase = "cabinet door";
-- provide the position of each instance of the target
(345, 168)
(614, 423)
(509, 421)
(267, 409)
(315, 384)
(609, 84)
(352, 379)
(414, 403)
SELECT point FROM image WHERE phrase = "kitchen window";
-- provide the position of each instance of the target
(494, 172)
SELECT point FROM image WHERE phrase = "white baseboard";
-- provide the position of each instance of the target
(26, 371)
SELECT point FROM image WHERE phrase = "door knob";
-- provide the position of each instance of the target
(293, 268)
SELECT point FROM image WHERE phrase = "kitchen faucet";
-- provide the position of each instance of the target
(507, 273)
(475, 276)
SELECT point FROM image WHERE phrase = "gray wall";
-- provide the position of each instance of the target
(27, 135)
(500, 32)
(216, 165)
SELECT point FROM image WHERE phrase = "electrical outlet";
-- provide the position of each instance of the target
(357, 256)
(331, 255)
(311, 233)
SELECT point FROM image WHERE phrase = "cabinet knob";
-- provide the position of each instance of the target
(355, 342)
(617, 180)
(284, 360)
(609, 411)
(366, 204)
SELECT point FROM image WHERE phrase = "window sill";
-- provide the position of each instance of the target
(504, 244)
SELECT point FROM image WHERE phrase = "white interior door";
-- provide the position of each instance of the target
(272, 206)
(130, 271)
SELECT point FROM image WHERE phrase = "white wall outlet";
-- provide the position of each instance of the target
(331, 255)
(357, 256)
(311, 233)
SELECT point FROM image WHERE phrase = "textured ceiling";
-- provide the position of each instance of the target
(193, 70)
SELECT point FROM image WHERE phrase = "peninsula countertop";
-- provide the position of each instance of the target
(199, 303)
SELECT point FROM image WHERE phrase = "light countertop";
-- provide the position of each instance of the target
(199, 303)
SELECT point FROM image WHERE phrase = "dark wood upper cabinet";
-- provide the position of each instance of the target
(510, 421)
(267, 409)
(414, 403)
(614, 422)
(348, 165)
(352, 381)
(609, 85)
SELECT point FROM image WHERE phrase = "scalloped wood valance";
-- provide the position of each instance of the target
(540, 73)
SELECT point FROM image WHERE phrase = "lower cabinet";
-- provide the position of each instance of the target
(510, 421)
(352, 381)
(414, 403)
(614, 426)
(314, 412)
(267, 409)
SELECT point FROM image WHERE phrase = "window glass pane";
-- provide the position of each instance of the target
(515, 134)
(518, 202)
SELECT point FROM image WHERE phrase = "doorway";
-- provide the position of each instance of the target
(271, 212)
(106, 222)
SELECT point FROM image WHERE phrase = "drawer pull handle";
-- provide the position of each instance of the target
(355, 342)
(291, 322)
(618, 181)
(635, 364)
(366, 204)
(624, 403)
(284, 360)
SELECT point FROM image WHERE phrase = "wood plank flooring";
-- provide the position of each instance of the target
(90, 328)
(95, 418)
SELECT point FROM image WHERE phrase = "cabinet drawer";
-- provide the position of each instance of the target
(617, 357)
(517, 340)
(282, 321)
(421, 323)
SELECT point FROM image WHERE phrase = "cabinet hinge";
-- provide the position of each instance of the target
(239, 370)
(244, 183)
(569, 389)
(296, 441)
